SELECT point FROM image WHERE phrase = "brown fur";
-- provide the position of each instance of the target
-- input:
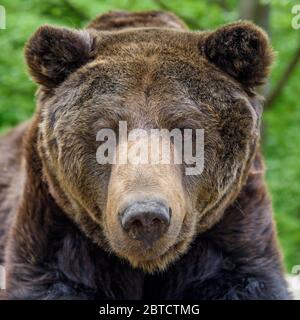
(11, 179)
(148, 70)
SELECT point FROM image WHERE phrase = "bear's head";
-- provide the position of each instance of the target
(147, 78)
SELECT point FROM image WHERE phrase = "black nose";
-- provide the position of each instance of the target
(146, 221)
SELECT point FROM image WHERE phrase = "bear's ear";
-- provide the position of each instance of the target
(53, 53)
(242, 50)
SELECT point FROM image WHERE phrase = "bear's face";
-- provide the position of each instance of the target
(149, 79)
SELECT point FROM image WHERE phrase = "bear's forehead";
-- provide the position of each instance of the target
(163, 53)
(120, 91)
(156, 39)
(160, 64)
(175, 81)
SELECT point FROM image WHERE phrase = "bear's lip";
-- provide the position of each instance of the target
(159, 262)
(143, 252)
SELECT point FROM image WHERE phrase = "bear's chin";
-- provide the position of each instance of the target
(159, 262)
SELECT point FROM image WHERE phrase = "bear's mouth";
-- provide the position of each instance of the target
(161, 261)
(139, 251)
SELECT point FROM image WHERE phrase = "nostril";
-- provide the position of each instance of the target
(146, 221)
(136, 224)
(155, 221)
(129, 221)
(159, 218)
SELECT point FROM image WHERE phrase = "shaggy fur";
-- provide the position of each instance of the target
(59, 234)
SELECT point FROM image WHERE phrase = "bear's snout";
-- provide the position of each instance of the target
(146, 221)
(145, 214)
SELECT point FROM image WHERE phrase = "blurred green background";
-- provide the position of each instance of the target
(281, 134)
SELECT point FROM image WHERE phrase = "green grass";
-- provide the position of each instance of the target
(282, 122)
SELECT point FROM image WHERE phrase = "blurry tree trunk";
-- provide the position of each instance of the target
(79, 13)
(259, 13)
(222, 4)
(193, 23)
(284, 79)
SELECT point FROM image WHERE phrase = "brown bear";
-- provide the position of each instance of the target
(71, 228)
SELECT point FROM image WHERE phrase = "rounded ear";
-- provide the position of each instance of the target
(53, 53)
(242, 50)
